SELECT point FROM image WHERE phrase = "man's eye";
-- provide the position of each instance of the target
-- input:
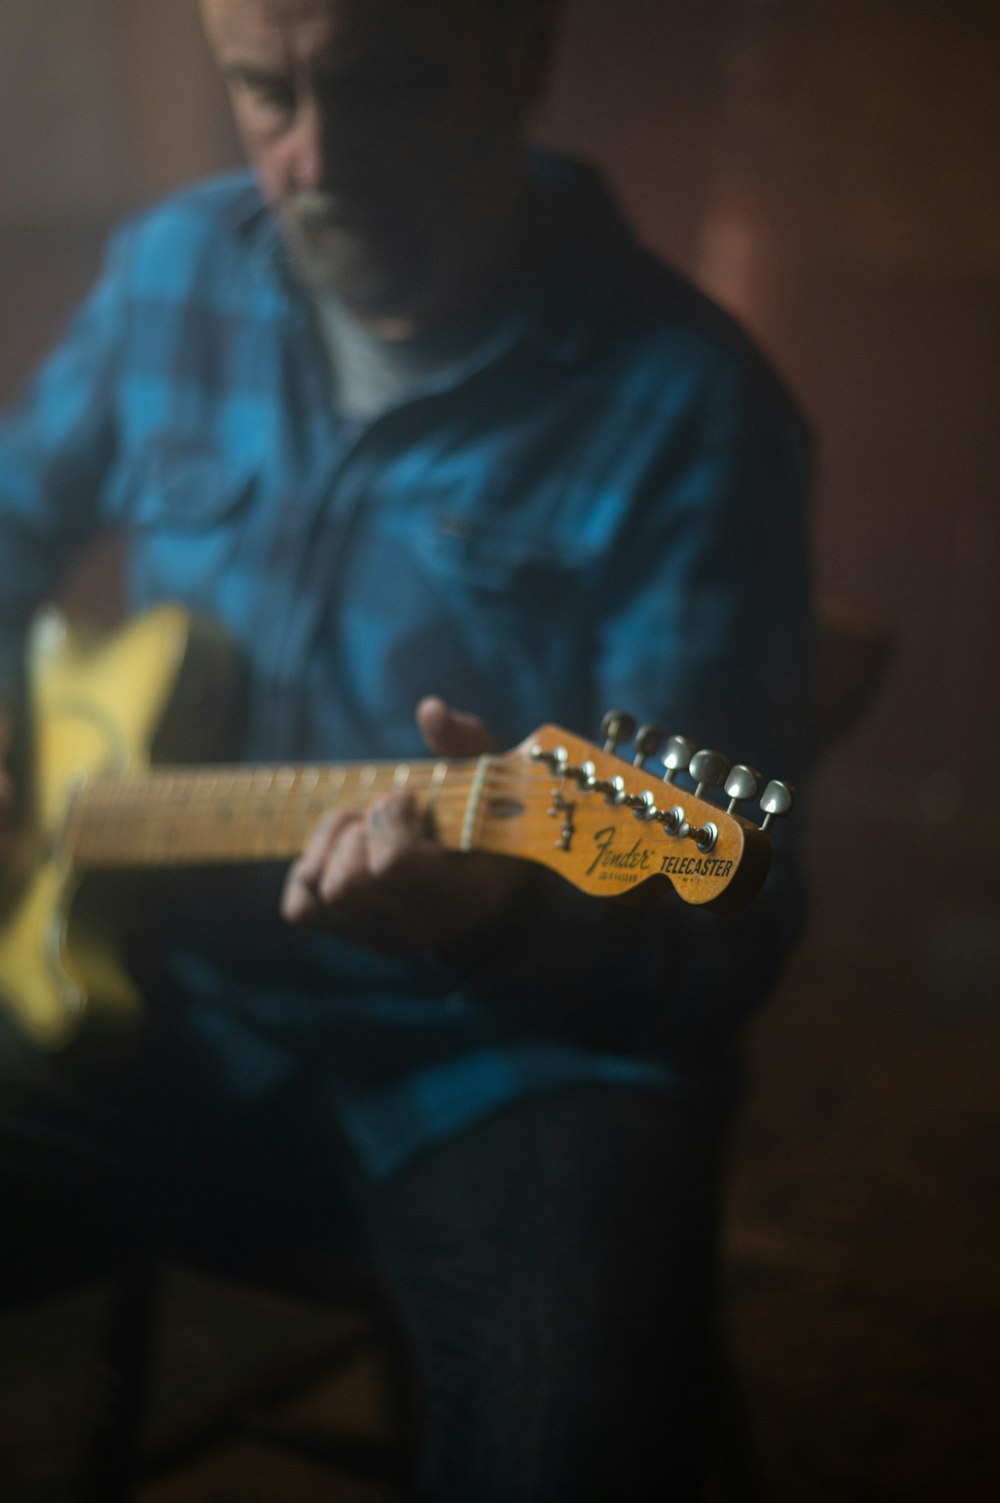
(271, 94)
(397, 87)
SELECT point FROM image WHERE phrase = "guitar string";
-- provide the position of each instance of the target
(100, 808)
(115, 806)
(533, 824)
(288, 784)
(158, 776)
(97, 809)
(286, 781)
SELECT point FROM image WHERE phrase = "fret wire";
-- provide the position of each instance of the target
(365, 783)
(286, 781)
(338, 775)
(264, 833)
(305, 793)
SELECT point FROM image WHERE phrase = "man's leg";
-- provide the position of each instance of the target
(553, 1266)
(70, 1185)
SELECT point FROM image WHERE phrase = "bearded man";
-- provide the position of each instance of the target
(408, 411)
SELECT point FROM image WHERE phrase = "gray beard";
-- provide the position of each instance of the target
(370, 269)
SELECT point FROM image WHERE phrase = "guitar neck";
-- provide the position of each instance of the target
(607, 822)
(554, 799)
(182, 816)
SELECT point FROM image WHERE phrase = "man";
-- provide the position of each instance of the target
(414, 418)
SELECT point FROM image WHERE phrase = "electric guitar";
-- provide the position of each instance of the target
(107, 712)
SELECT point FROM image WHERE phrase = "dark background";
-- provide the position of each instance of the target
(830, 170)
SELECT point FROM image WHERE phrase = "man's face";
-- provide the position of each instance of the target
(385, 134)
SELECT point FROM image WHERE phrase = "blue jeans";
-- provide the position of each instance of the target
(551, 1268)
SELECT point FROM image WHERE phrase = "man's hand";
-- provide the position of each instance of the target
(381, 880)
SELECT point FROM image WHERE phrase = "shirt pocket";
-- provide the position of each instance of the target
(186, 509)
(184, 485)
(496, 559)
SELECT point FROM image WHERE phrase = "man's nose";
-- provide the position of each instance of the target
(309, 148)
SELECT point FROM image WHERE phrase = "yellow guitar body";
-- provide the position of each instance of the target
(97, 704)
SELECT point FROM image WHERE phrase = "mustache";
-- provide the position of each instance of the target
(311, 208)
(314, 210)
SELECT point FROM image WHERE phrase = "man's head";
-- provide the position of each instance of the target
(386, 136)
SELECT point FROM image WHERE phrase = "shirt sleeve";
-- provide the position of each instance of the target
(56, 450)
(705, 629)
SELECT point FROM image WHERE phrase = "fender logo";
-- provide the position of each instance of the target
(626, 865)
(638, 858)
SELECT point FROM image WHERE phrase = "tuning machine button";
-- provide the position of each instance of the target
(776, 800)
(677, 756)
(648, 740)
(741, 784)
(708, 768)
(616, 727)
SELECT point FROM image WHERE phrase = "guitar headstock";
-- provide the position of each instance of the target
(609, 823)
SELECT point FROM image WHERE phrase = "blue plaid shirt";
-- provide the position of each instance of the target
(603, 507)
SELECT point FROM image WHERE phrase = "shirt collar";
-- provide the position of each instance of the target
(578, 256)
(579, 244)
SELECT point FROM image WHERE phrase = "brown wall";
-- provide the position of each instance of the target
(829, 169)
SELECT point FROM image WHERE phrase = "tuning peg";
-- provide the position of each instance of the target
(708, 768)
(777, 799)
(648, 739)
(741, 784)
(677, 756)
(616, 727)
